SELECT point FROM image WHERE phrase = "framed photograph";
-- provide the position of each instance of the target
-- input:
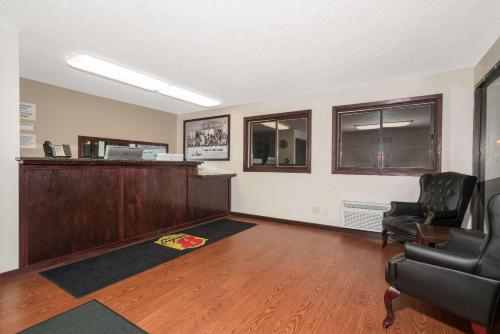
(207, 139)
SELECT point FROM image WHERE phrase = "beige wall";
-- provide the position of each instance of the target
(488, 61)
(63, 114)
(293, 196)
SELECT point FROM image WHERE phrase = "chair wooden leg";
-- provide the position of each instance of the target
(478, 329)
(384, 238)
(389, 295)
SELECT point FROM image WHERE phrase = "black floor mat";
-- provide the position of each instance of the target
(89, 318)
(86, 276)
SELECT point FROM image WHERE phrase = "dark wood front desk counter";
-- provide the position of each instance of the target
(70, 208)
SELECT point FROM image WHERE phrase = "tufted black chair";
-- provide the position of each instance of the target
(461, 276)
(443, 200)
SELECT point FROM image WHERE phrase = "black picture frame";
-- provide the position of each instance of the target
(204, 119)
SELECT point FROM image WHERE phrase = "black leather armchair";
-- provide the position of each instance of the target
(461, 276)
(443, 200)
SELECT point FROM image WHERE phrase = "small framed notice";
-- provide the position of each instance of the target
(28, 140)
(27, 111)
(26, 126)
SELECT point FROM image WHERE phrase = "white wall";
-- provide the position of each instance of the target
(293, 196)
(489, 60)
(9, 148)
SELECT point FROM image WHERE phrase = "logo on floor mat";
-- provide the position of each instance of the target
(181, 241)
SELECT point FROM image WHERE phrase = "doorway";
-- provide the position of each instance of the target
(486, 144)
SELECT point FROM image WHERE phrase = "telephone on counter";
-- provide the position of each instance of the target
(56, 151)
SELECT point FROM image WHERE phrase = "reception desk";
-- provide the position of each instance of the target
(72, 207)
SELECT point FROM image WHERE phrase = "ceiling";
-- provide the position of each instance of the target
(242, 51)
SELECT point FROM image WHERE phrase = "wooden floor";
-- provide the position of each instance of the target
(273, 278)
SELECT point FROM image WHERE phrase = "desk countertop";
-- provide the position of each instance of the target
(101, 162)
(70, 161)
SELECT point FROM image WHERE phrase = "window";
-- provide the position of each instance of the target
(278, 143)
(94, 147)
(395, 137)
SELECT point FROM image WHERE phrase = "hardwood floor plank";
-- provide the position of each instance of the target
(273, 278)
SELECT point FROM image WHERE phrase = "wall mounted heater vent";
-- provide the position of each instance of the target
(363, 216)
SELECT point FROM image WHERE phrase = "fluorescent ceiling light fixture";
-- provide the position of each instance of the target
(119, 73)
(386, 125)
(280, 126)
(186, 95)
(115, 72)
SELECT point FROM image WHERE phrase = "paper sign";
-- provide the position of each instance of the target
(27, 111)
(28, 140)
(25, 126)
(102, 147)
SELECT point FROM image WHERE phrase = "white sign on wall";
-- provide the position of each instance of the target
(27, 111)
(25, 126)
(28, 140)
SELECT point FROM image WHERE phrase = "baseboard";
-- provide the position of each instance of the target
(369, 234)
(63, 260)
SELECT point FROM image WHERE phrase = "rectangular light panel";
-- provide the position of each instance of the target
(119, 73)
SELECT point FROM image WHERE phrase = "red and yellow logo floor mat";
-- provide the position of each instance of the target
(181, 241)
